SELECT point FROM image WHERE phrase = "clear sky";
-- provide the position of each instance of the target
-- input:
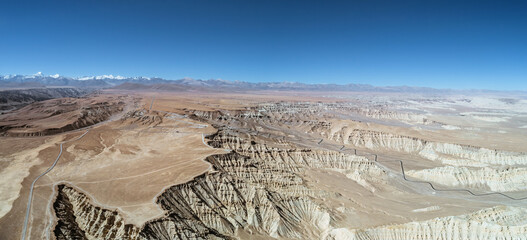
(445, 44)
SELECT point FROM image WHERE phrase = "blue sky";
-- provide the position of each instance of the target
(444, 44)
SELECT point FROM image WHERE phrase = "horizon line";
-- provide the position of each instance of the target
(120, 77)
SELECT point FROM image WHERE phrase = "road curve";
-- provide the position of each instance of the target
(30, 199)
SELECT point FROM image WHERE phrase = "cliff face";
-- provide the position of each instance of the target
(79, 219)
(244, 193)
(447, 153)
(294, 115)
(499, 180)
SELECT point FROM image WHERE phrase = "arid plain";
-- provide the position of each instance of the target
(265, 164)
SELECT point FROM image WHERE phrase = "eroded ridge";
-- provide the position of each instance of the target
(77, 218)
(247, 193)
(255, 188)
(261, 188)
(492, 223)
(467, 166)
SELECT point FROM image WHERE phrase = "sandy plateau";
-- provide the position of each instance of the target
(265, 165)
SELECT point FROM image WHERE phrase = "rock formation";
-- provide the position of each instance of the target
(493, 223)
(504, 179)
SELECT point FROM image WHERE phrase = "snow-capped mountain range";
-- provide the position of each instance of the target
(102, 81)
(156, 83)
(40, 75)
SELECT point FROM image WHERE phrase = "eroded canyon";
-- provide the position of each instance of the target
(265, 165)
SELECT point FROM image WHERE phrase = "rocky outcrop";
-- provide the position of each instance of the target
(503, 179)
(243, 194)
(57, 116)
(77, 218)
(142, 117)
(379, 112)
(490, 224)
(293, 115)
(447, 153)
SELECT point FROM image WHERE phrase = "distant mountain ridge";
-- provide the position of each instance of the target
(155, 83)
(11, 99)
(104, 81)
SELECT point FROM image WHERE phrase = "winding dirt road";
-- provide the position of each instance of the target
(30, 199)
